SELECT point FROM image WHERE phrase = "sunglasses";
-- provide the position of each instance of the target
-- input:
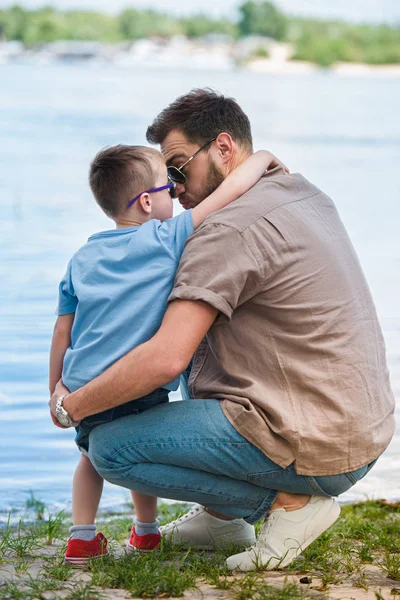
(175, 173)
(171, 187)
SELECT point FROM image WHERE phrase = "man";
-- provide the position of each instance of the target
(293, 359)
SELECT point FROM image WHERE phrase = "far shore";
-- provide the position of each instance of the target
(292, 67)
(261, 66)
(253, 54)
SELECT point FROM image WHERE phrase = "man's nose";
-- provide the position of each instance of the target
(180, 189)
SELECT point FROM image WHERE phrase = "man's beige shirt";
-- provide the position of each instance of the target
(296, 352)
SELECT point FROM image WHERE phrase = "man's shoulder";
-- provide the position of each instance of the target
(269, 194)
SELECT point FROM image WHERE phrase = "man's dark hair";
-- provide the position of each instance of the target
(118, 173)
(201, 115)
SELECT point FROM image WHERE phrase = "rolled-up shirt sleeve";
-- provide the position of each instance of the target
(217, 267)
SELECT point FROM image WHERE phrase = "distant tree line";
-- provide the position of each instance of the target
(326, 43)
(321, 42)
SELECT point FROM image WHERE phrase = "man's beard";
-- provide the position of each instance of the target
(213, 179)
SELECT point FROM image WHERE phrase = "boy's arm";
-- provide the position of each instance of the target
(60, 343)
(235, 185)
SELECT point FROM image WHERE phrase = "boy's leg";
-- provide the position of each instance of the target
(84, 545)
(145, 533)
(86, 493)
(145, 507)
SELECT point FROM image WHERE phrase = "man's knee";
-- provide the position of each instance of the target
(102, 453)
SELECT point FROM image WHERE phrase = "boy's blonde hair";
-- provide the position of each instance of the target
(118, 173)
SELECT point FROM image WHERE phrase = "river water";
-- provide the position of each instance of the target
(341, 133)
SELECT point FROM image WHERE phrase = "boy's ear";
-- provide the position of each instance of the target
(145, 203)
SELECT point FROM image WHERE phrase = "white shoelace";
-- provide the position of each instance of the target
(265, 532)
(191, 513)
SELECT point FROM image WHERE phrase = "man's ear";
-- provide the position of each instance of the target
(145, 203)
(225, 147)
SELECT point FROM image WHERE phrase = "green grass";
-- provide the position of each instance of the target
(54, 568)
(391, 565)
(366, 534)
(256, 589)
(36, 505)
(52, 529)
(84, 591)
(21, 542)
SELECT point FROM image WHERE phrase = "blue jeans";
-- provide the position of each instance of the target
(159, 396)
(189, 451)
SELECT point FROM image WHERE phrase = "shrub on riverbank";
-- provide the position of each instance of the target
(328, 43)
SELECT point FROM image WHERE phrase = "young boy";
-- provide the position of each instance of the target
(113, 298)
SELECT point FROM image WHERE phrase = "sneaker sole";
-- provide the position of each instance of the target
(82, 562)
(217, 543)
(130, 548)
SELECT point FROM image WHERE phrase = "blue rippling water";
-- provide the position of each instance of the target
(342, 133)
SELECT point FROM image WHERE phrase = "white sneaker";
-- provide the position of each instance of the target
(205, 531)
(285, 534)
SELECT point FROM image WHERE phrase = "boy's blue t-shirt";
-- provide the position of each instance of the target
(118, 285)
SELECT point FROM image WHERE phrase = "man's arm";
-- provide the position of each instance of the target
(147, 367)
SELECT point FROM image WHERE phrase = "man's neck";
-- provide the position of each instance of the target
(237, 159)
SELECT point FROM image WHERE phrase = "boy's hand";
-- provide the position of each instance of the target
(275, 162)
(60, 390)
(56, 422)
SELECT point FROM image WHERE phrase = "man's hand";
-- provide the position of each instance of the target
(59, 391)
(148, 366)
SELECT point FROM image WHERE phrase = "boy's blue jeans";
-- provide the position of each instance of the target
(135, 407)
(189, 451)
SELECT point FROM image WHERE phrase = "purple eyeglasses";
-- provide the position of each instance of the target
(171, 187)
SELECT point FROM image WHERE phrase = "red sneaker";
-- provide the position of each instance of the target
(143, 543)
(80, 552)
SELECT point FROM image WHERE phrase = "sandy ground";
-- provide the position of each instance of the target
(378, 585)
